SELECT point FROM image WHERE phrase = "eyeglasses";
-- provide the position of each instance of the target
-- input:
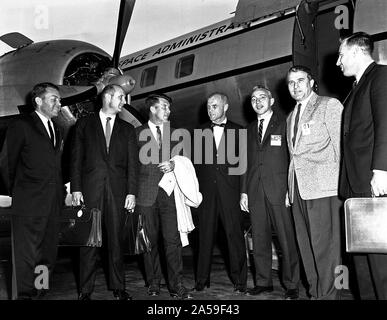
(258, 99)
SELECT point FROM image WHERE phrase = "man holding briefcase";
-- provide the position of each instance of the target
(104, 176)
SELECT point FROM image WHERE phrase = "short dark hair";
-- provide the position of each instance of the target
(360, 39)
(262, 87)
(298, 68)
(222, 96)
(154, 98)
(40, 89)
(110, 89)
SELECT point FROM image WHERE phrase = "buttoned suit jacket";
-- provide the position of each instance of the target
(149, 172)
(268, 162)
(93, 168)
(34, 164)
(217, 173)
(315, 156)
(365, 131)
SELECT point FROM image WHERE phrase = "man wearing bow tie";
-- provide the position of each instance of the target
(313, 136)
(220, 191)
(263, 191)
(34, 146)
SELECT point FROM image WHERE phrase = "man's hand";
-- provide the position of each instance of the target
(167, 166)
(379, 183)
(130, 202)
(77, 198)
(287, 200)
(244, 202)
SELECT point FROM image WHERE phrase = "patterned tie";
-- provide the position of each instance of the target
(159, 139)
(108, 133)
(260, 131)
(52, 138)
(296, 123)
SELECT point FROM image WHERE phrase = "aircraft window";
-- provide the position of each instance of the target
(148, 76)
(184, 66)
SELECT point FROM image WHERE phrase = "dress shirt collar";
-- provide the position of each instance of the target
(266, 116)
(103, 116)
(42, 117)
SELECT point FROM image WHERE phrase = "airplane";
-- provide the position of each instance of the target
(73, 65)
(256, 46)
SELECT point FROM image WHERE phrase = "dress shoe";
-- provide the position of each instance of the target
(181, 293)
(84, 296)
(240, 289)
(291, 294)
(257, 290)
(121, 295)
(199, 286)
(154, 290)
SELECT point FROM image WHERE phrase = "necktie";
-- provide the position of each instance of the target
(260, 131)
(296, 123)
(108, 133)
(217, 125)
(52, 138)
(159, 139)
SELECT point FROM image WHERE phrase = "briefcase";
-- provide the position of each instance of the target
(80, 226)
(366, 225)
(135, 235)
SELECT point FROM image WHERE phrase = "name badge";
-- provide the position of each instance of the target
(275, 140)
(305, 129)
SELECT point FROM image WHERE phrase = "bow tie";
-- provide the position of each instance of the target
(217, 125)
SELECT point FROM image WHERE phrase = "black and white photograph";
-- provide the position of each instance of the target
(193, 157)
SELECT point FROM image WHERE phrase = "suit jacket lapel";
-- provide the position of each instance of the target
(58, 137)
(100, 133)
(115, 133)
(306, 115)
(348, 101)
(40, 126)
(273, 123)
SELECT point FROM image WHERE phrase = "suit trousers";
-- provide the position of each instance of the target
(317, 224)
(213, 208)
(112, 241)
(161, 216)
(265, 216)
(34, 241)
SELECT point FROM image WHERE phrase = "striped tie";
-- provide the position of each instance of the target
(260, 131)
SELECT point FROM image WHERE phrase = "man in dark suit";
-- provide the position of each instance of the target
(364, 165)
(104, 176)
(263, 192)
(153, 203)
(220, 191)
(34, 146)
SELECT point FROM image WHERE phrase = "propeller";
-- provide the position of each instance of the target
(124, 16)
